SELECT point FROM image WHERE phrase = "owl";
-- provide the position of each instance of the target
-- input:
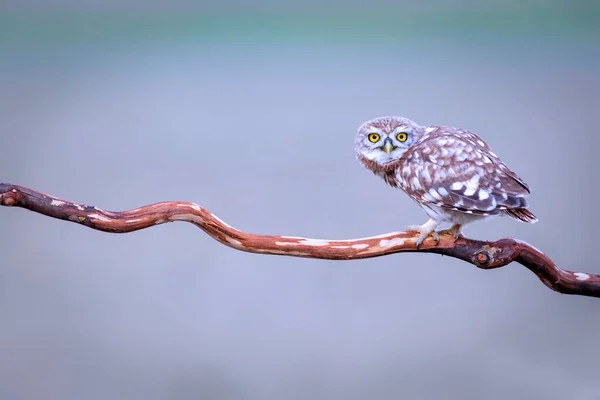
(450, 172)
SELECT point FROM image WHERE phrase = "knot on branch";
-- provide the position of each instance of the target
(8, 198)
(481, 259)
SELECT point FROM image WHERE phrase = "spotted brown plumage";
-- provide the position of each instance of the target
(450, 172)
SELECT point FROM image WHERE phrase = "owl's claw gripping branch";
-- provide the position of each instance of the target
(485, 255)
(454, 231)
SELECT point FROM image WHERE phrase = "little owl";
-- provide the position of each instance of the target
(451, 173)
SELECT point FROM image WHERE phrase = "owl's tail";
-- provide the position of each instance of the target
(521, 214)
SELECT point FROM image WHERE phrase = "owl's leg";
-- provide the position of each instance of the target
(424, 231)
(455, 231)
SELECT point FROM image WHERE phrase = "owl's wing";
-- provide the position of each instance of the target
(469, 138)
(458, 171)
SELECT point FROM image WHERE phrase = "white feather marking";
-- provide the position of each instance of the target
(483, 194)
(415, 184)
(435, 194)
(359, 246)
(456, 186)
(57, 203)
(442, 191)
(469, 191)
(481, 142)
(425, 175)
(428, 197)
(472, 183)
(373, 129)
(373, 155)
(442, 142)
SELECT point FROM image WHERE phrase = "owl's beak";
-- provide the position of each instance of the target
(388, 146)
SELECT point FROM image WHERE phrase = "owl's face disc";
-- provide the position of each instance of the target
(385, 139)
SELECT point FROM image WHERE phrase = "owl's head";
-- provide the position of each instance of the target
(385, 139)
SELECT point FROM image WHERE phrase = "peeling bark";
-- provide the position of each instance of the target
(482, 254)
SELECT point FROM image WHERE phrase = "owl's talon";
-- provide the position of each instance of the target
(425, 231)
(424, 235)
(454, 231)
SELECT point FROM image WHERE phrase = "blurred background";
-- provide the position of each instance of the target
(250, 110)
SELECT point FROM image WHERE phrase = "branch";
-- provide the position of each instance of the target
(484, 255)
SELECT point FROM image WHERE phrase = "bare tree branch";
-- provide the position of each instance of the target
(484, 255)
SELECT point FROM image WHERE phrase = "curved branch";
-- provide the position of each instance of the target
(485, 255)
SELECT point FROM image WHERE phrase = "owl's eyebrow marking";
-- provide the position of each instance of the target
(372, 129)
(402, 128)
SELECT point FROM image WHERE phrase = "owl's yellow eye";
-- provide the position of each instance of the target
(373, 137)
(402, 136)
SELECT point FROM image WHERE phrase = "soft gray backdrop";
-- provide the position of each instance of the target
(253, 116)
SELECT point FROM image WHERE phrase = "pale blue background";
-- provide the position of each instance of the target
(251, 111)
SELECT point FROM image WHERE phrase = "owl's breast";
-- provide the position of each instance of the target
(391, 179)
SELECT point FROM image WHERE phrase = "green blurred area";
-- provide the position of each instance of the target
(18, 30)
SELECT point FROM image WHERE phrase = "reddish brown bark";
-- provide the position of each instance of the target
(485, 255)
